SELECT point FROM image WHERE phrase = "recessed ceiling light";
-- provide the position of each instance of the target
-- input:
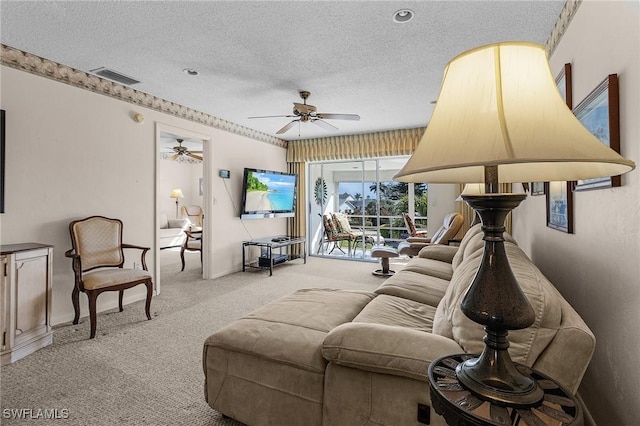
(403, 15)
(190, 71)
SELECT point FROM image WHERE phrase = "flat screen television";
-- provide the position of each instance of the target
(267, 193)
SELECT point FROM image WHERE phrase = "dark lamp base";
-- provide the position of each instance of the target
(496, 301)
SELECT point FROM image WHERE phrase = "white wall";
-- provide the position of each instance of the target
(72, 153)
(597, 269)
(442, 201)
(177, 174)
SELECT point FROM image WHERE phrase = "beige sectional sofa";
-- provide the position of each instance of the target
(338, 357)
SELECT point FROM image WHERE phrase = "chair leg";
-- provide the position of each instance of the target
(92, 312)
(75, 299)
(182, 258)
(147, 306)
(120, 299)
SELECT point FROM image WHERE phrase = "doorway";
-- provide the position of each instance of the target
(180, 182)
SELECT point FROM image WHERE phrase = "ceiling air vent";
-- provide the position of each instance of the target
(115, 76)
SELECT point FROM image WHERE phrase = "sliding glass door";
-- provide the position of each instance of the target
(354, 205)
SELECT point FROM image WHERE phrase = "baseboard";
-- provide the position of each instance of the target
(112, 304)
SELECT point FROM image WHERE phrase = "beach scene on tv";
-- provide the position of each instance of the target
(269, 192)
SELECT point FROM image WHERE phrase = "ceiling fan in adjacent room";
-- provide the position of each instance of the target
(303, 113)
(184, 151)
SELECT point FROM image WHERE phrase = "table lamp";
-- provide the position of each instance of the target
(500, 118)
(177, 194)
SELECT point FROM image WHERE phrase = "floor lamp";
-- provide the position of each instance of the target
(177, 194)
(499, 118)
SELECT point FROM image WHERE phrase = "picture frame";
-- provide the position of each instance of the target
(537, 188)
(564, 83)
(559, 195)
(560, 206)
(599, 112)
(2, 157)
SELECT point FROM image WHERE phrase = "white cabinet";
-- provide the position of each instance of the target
(25, 299)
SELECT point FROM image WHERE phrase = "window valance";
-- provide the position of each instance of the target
(366, 145)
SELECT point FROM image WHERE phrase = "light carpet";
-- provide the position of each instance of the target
(141, 372)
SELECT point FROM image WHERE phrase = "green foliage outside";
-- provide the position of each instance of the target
(253, 184)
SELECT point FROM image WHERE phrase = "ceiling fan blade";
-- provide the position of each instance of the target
(330, 116)
(175, 156)
(195, 152)
(325, 125)
(197, 157)
(274, 116)
(287, 127)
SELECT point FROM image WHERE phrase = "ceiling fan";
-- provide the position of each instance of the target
(308, 113)
(181, 150)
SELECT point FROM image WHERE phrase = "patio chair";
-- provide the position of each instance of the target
(98, 247)
(450, 227)
(333, 236)
(411, 227)
(358, 236)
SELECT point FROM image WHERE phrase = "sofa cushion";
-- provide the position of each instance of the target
(290, 330)
(525, 345)
(391, 310)
(471, 242)
(431, 267)
(387, 349)
(415, 286)
(438, 252)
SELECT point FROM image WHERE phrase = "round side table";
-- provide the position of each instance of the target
(460, 407)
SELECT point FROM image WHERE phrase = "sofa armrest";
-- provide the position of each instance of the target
(439, 252)
(386, 349)
(179, 223)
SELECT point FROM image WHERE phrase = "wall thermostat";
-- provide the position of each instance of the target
(224, 174)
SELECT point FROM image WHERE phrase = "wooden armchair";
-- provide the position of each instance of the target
(194, 214)
(98, 247)
(193, 242)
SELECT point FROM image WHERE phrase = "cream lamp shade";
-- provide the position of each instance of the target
(499, 106)
(177, 193)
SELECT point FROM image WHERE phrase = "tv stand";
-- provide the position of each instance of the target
(273, 251)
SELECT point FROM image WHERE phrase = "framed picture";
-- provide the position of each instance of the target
(599, 112)
(564, 83)
(2, 171)
(537, 188)
(560, 206)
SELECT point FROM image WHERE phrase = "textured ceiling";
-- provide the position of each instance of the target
(254, 57)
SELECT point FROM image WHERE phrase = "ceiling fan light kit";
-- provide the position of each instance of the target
(302, 112)
(184, 151)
